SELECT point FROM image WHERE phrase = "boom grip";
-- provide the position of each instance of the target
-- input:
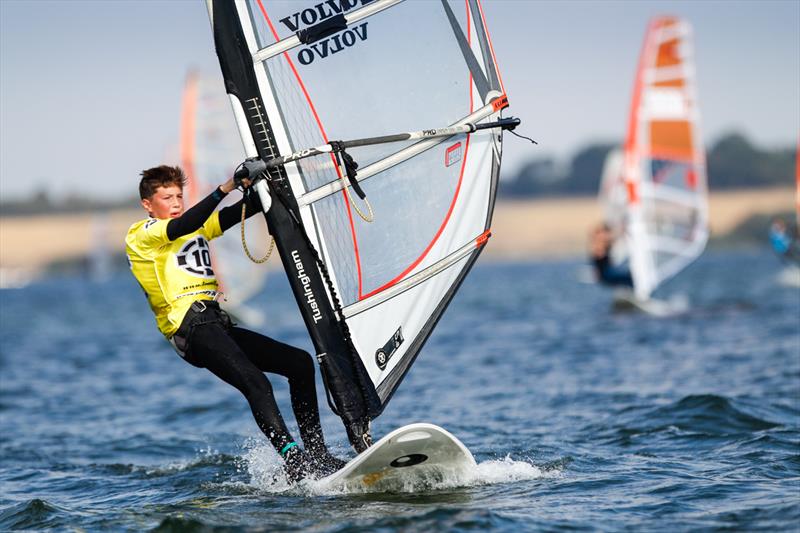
(251, 169)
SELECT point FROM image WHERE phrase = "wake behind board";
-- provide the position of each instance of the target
(626, 301)
(790, 276)
(414, 457)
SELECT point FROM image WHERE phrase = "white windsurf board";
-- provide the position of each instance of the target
(626, 300)
(413, 457)
(790, 276)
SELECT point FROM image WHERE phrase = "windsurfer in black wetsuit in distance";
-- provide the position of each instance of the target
(785, 242)
(600, 244)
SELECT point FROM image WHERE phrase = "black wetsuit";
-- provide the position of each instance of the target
(194, 218)
(240, 357)
(610, 275)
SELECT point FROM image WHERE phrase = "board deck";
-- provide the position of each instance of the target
(415, 456)
(626, 300)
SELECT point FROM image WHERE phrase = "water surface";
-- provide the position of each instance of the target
(578, 418)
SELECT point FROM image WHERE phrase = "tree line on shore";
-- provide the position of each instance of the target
(40, 203)
(733, 162)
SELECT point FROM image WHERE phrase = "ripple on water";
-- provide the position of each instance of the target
(34, 514)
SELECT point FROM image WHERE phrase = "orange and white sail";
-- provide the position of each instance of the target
(663, 169)
(797, 185)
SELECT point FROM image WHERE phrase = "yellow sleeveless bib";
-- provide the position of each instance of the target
(175, 273)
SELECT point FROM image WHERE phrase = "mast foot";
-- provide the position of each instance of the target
(358, 432)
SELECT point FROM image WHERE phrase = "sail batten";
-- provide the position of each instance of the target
(413, 281)
(393, 159)
(673, 195)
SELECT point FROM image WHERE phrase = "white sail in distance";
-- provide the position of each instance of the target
(662, 176)
(210, 150)
(613, 197)
(302, 74)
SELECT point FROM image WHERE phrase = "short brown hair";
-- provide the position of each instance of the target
(163, 176)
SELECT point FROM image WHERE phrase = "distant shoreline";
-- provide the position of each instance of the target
(522, 229)
(559, 227)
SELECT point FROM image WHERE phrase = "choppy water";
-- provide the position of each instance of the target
(578, 418)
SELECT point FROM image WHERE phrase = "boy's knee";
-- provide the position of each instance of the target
(257, 384)
(305, 363)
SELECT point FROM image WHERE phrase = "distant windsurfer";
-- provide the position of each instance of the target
(786, 245)
(170, 257)
(601, 241)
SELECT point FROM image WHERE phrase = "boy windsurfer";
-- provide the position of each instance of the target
(170, 258)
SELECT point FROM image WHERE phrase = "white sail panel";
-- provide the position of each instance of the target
(613, 196)
(371, 79)
(411, 309)
(372, 331)
(380, 84)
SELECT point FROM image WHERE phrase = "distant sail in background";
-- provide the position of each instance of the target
(796, 243)
(210, 150)
(613, 198)
(656, 193)
(99, 260)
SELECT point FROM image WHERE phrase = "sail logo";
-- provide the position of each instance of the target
(194, 257)
(382, 355)
(453, 154)
(318, 14)
(308, 294)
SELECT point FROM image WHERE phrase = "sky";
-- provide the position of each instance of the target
(90, 91)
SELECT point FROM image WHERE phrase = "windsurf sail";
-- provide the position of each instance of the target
(210, 150)
(663, 173)
(797, 187)
(613, 197)
(371, 280)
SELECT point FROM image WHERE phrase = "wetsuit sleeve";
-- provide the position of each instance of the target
(232, 215)
(194, 218)
(601, 265)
